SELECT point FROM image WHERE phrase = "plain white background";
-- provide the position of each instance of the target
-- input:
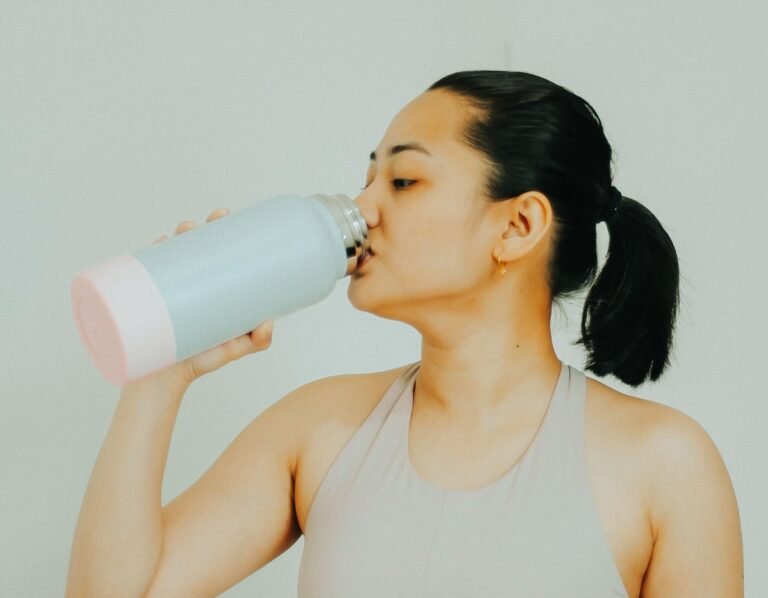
(120, 120)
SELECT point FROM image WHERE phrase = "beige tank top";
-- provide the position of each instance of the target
(376, 528)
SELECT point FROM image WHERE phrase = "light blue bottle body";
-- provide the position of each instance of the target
(222, 279)
(215, 282)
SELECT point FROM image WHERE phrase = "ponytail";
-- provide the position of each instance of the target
(629, 313)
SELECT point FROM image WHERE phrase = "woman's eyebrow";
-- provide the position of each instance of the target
(401, 148)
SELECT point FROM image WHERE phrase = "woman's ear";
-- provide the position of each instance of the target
(528, 218)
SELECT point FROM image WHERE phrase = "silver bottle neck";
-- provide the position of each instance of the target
(354, 231)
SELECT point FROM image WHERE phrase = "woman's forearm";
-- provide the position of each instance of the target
(119, 534)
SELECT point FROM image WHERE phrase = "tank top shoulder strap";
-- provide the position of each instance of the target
(341, 471)
(560, 441)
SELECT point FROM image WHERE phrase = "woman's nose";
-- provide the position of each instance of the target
(367, 209)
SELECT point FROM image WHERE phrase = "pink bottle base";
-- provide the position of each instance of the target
(122, 320)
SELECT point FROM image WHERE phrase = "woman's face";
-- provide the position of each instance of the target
(431, 230)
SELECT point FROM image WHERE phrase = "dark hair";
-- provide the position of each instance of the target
(536, 135)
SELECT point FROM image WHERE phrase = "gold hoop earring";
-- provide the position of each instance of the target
(502, 265)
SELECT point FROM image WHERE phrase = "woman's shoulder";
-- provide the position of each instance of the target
(653, 444)
(346, 387)
(683, 480)
(641, 422)
(339, 401)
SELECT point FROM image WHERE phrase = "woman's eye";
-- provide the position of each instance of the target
(394, 181)
(403, 180)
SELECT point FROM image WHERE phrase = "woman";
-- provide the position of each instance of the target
(487, 468)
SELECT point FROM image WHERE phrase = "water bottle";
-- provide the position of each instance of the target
(139, 313)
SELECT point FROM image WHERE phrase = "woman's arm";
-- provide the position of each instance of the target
(698, 544)
(119, 534)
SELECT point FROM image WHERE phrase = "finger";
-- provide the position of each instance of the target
(267, 327)
(216, 214)
(185, 226)
(263, 332)
(160, 238)
(257, 342)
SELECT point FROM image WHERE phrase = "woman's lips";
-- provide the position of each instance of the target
(364, 258)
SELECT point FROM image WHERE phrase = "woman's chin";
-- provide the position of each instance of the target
(361, 297)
